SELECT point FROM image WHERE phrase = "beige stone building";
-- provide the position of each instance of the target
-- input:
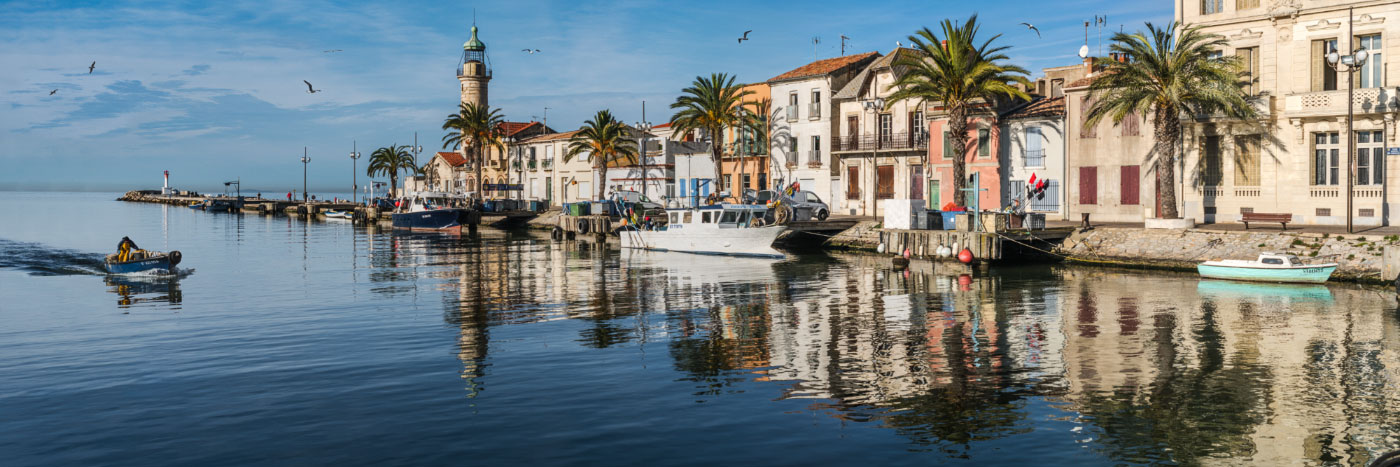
(882, 145)
(1296, 160)
(1110, 175)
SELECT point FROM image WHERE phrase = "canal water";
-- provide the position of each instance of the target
(295, 342)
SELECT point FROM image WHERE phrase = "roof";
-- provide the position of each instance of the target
(1082, 82)
(550, 137)
(853, 89)
(661, 125)
(822, 67)
(1052, 107)
(513, 128)
(474, 43)
(453, 159)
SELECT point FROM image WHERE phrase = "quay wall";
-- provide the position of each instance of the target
(1361, 258)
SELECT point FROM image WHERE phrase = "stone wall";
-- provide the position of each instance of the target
(1359, 257)
(863, 236)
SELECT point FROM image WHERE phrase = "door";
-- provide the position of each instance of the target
(884, 182)
(852, 132)
(853, 182)
(1088, 185)
(916, 182)
(548, 190)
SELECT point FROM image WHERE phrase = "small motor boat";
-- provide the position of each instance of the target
(333, 214)
(142, 261)
(1270, 267)
(196, 205)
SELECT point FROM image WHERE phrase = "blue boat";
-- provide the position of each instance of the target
(1270, 267)
(143, 261)
(428, 212)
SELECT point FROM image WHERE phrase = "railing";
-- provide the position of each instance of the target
(533, 164)
(1323, 192)
(1367, 192)
(1035, 158)
(888, 142)
(814, 157)
(1212, 192)
(814, 111)
(791, 113)
(792, 158)
(1365, 100)
(547, 164)
(1247, 192)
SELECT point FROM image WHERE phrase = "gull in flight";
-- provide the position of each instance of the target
(52, 92)
(1033, 28)
(331, 51)
(745, 37)
(92, 66)
(531, 51)
(309, 89)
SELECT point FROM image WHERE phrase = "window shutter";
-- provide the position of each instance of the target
(1319, 64)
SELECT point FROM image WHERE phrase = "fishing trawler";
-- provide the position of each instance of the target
(723, 229)
(430, 211)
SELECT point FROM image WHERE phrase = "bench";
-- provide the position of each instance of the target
(1282, 219)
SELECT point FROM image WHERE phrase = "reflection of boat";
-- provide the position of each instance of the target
(333, 214)
(1264, 291)
(728, 229)
(428, 211)
(131, 287)
(143, 261)
(1270, 267)
(705, 268)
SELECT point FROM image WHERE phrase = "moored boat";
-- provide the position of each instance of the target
(1269, 267)
(726, 229)
(333, 214)
(429, 212)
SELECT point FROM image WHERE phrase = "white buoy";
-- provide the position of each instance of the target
(880, 248)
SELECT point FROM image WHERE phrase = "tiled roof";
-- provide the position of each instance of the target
(822, 67)
(661, 125)
(853, 89)
(454, 159)
(551, 137)
(1082, 82)
(512, 128)
(1052, 107)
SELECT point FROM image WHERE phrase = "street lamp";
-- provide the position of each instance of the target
(354, 170)
(304, 160)
(643, 128)
(1349, 63)
(509, 141)
(873, 106)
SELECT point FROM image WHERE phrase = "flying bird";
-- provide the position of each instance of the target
(52, 92)
(531, 51)
(331, 51)
(746, 36)
(92, 66)
(309, 89)
(1033, 28)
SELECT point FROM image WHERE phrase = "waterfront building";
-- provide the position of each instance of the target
(745, 155)
(655, 174)
(1034, 146)
(983, 159)
(1294, 159)
(1110, 171)
(882, 145)
(547, 177)
(505, 165)
(803, 121)
(445, 172)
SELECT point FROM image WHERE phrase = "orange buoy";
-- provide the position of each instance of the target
(965, 256)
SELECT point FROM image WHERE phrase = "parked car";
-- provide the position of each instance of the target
(641, 202)
(809, 200)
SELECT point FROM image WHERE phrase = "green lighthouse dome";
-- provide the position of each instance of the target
(474, 43)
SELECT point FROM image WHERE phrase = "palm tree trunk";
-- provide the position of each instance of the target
(600, 172)
(957, 125)
(715, 156)
(1168, 133)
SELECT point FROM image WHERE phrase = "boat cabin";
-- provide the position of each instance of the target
(720, 216)
(428, 201)
(1276, 259)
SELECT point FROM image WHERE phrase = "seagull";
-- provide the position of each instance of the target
(92, 66)
(309, 89)
(331, 51)
(746, 36)
(531, 51)
(1033, 28)
(52, 92)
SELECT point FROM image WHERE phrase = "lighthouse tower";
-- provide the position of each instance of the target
(474, 72)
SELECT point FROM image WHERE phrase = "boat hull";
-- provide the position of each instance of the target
(753, 242)
(158, 264)
(437, 220)
(1299, 275)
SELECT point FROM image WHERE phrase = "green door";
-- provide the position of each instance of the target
(933, 195)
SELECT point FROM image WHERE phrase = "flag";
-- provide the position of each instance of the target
(1032, 182)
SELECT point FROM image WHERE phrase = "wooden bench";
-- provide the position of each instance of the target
(1282, 219)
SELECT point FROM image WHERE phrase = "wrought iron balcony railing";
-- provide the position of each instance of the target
(886, 142)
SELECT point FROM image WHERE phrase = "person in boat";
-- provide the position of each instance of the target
(125, 249)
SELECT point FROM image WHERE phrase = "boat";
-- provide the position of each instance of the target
(196, 205)
(218, 205)
(722, 229)
(143, 261)
(428, 211)
(1269, 267)
(333, 214)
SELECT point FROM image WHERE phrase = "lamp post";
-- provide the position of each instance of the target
(643, 128)
(1349, 63)
(304, 161)
(873, 107)
(354, 170)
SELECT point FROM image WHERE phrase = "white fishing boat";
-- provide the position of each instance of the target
(1269, 267)
(725, 229)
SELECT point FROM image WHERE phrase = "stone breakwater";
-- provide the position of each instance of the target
(1362, 258)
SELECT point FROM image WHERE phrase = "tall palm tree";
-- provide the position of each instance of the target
(605, 140)
(1170, 71)
(710, 105)
(955, 69)
(388, 161)
(475, 128)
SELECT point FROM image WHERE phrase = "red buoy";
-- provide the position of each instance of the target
(965, 256)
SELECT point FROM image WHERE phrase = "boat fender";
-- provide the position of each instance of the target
(583, 226)
(175, 257)
(965, 256)
(907, 253)
(557, 233)
(880, 248)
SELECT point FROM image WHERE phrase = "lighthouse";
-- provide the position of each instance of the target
(474, 72)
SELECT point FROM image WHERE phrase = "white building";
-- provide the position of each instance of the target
(1033, 144)
(803, 122)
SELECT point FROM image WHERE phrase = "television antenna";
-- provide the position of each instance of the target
(843, 44)
(816, 42)
(1100, 22)
(1084, 49)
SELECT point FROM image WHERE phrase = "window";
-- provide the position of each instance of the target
(673, 217)
(1371, 72)
(747, 182)
(1246, 4)
(1247, 160)
(948, 145)
(886, 127)
(1128, 179)
(853, 182)
(935, 193)
(792, 107)
(814, 155)
(792, 151)
(763, 180)
(916, 181)
(816, 111)
(728, 181)
(1324, 77)
(918, 132)
(884, 182)
(1035, 154)
(1212, 6)
(1210, 161)
(1088, 185)
(984, 142)
(705, 217)
(1249, 59)
(1085, 129)
(1129, 125)
(1326, 153)
(1370, 158)
(852, 132)
(686, 218)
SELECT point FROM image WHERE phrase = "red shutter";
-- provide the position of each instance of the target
(853, 182)
(1088, 185)
(1128, 185)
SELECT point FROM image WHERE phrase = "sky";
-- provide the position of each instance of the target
(212, 91)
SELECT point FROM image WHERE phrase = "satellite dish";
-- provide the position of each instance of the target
(1084, 51)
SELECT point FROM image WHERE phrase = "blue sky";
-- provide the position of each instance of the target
(213, 91)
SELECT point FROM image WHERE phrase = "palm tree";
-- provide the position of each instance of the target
(605, 139)
(1168, 74)
(388, 161)
(710, 105)
(959, 72)
(476, 128)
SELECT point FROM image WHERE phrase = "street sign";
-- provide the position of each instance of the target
(1392, 151)
(504, 186)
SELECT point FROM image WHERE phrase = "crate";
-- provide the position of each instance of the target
(950, 219)
(933, 219)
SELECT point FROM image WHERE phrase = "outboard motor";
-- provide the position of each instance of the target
(174, 257)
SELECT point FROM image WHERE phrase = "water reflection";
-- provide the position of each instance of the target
(134, 290)
(1146, 367)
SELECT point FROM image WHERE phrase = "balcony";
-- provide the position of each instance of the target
(791, 159)
(889, 142)
(1334, 103)
(547, 164)
(515, 165)
(533, 164)
(791, 113)
(814, 111)
(814, 158)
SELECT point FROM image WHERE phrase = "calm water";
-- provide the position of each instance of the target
(296, 342)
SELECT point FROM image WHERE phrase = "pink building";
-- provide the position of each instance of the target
(984, 137)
